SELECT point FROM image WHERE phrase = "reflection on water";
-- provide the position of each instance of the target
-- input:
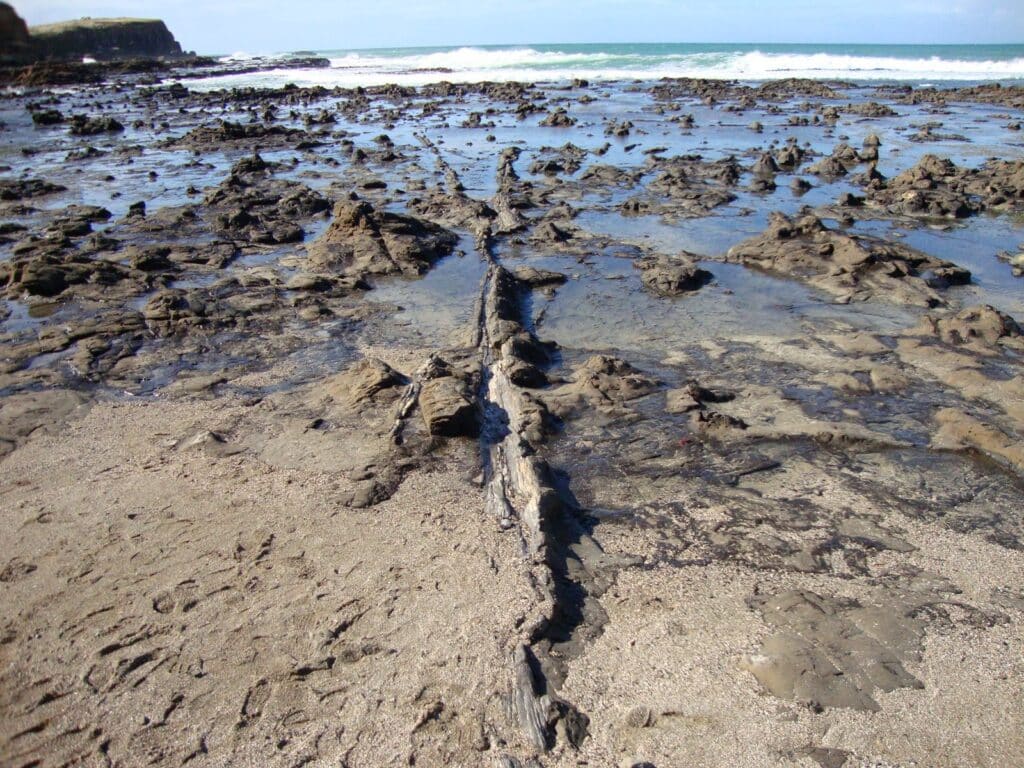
(436, 310)
(740, 302)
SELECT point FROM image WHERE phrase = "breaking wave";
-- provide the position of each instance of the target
(913, 64)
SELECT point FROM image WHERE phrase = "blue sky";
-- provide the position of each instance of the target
(275, 25)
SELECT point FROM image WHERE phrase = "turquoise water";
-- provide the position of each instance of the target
(646, 54)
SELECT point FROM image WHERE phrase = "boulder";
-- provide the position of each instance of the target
(362, 381)
(447, 408)
(82, 125)
(672, 278)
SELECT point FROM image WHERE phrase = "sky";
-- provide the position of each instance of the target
(267, 26)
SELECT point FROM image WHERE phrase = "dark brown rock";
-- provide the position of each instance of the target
(15, 45)
(22, 189)
(364, 241)
(81, 125)
(851, 267)
(447, 408)
(558, 118)
(672, 278)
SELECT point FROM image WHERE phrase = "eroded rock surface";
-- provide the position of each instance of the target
(468, 471)
(853, 268)
(362, 241)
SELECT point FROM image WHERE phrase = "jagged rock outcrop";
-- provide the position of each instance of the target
(937, 188)
(364, 241)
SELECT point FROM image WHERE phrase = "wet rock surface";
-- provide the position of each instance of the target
(362, 241)
(673, 277)
(936, 187)
(852, 268)
(333, 430)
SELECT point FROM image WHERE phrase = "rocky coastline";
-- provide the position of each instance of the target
(513, 424)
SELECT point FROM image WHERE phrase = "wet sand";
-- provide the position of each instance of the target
(512, 425)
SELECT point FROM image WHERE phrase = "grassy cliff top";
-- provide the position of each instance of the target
(86, 23)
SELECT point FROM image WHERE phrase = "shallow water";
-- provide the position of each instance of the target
(782, 476)
(436, 310)
(739, 302)
(975, 244)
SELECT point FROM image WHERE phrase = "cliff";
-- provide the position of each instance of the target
(15, 45)
(104, 39)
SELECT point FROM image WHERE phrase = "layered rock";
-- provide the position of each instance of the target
(364, 241)
(849, 267)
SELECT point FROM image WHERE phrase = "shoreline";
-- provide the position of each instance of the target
(627, 423)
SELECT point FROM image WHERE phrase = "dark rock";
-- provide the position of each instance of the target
(86, 153)
(150, 258)
(22, 189)
(211, 137)
(81, 125)
(789, 157)
(558, 118)
(47, 117)
(936, 187)
(618, 129)
(447, 408)
(365, 241)
(251, 205)
(15, 44)
(672, 278)
(870, 109)
(104, 39)
(172, 310)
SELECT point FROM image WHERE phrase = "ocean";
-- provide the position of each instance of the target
(914, 64)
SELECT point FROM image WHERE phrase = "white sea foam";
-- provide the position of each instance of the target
(756, 65)
(468, 64)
